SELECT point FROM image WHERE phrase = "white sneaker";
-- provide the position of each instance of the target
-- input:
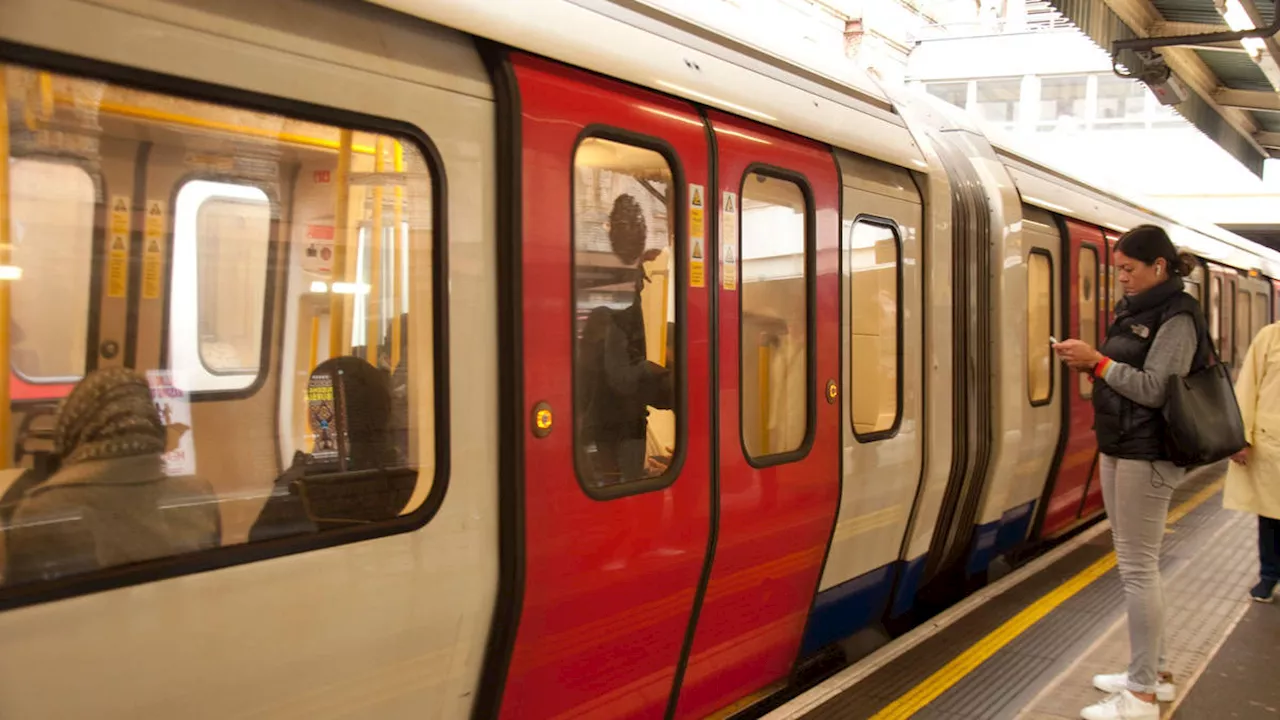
(1112, 684)
(1122, 706)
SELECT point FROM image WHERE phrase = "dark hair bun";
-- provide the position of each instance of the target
(1185, 264)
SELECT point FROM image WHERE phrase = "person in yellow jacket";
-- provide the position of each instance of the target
(1253, 480)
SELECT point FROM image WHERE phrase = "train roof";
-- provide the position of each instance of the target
(837, 104)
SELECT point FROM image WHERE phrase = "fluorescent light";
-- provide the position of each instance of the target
(10, 272)
(348, 288)
(319, 286)
(1234, 13)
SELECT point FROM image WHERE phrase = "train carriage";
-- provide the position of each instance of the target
(378, 263)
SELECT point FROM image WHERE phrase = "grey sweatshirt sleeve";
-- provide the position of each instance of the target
(1172, 351)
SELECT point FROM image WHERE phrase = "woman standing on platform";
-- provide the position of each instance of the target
(1253, 482)
(1159, 332)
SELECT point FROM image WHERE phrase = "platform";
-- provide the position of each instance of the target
(1027, 646)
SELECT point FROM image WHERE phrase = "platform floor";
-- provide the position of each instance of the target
(1026, 647)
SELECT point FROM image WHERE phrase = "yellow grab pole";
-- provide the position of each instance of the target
(315, 340)
(397, 260)
(374, 305)
(766, 356)
(46, 96)
(6, 411)
(341, 211)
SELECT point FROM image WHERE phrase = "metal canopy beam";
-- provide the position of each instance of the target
(1268, 139)
(1248, 99)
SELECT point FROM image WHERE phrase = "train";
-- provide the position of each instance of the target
(697, 362)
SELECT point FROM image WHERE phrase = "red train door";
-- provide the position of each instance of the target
(616, 462)
(779, 420)
(1085, 299)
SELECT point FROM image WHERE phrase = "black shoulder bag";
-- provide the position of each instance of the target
(1202, 416)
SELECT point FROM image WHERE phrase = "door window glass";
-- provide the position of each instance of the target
(774, 328)
(625, 368)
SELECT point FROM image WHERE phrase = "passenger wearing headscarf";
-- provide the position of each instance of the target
(110, 503)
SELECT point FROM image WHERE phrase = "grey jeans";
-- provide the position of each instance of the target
(1136, 494)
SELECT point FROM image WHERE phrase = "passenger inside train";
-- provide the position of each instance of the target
(111, 502)
(218, 271)
(621, 385)
(347, 478)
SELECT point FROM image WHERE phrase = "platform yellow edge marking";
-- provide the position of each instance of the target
(964, 663)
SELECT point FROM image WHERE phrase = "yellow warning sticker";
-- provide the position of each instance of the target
(153, 251)
(729, 241)
(697, 237)
(118, 248)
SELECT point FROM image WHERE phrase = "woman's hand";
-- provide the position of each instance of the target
(1078, 354)
(1242, 457)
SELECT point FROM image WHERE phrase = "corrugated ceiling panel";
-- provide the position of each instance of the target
(1236, 70)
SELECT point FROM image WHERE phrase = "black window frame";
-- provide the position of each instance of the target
(1098, 302)
(811, 314)
(94, 282)
(896, 230)
(274, 246)
(679, 245)
(1048, 399)
(180, 565)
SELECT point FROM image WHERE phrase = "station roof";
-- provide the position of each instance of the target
(1230, 97)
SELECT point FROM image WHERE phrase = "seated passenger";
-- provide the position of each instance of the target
(110, 503)
(350, 416)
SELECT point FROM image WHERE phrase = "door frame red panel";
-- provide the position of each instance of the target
(1066, 502)
(608, 581)
(775, 517)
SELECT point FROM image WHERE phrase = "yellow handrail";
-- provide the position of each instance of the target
(6, 410)
(141, 113)
(373, 306)
(314, 357)
(341, 213)
(397, 262)
(765, 360)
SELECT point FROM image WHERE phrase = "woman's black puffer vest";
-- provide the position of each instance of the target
(1124, 428)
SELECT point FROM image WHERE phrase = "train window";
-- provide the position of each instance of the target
(52, 204)
(1261, 313)
(1088, 307)
(1244, 318)
(1215, 312)
(874, 257)
(177, 449)
(221, 238)
(624, 304)
(1039, 327)
(774, 331)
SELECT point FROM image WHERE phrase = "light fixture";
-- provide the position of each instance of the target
(319, 286)
(10, 272)
(351, 288)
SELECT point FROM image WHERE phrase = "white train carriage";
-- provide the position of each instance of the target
(833, 304)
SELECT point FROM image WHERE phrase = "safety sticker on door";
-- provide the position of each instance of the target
(153, 251)
(118, 248)
(697, 237)
(729, 241)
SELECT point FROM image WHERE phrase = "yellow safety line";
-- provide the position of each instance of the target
(964, 663)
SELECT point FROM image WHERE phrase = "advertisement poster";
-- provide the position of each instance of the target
(175, 412)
